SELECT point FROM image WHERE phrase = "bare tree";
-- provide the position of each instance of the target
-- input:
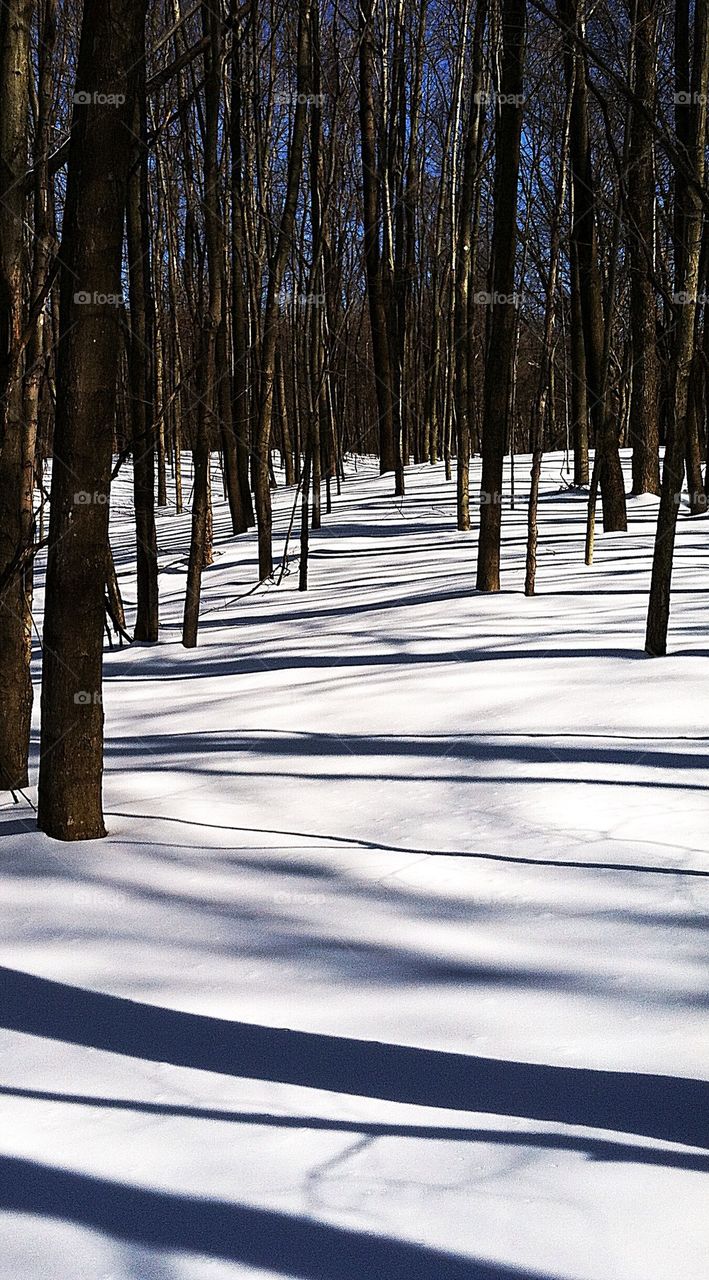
(645, 399)
(381, 354)
(16, 441)
(501, 341)
(71, 763)
(276, 270)
(688, 226)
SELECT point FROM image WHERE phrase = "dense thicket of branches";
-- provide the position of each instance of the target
(414, 228)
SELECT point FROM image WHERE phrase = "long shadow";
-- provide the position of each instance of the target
(202, 666)
(261, 1238)
(480, 748)
(219, 770)
(598, 1149)
(675, 1109)
(354, 842)
(454, 779)
(162, 749)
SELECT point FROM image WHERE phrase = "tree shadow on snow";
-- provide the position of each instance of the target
(264, 1238)
(325, 839)
(674, 1109)
(595, 1149)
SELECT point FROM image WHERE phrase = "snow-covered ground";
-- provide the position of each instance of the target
(392, 963)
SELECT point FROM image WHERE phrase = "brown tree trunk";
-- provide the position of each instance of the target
(500, 353)
(241, 411)
(584, 231)
(283, 415)
(381, 356)
(16, 445)
(644, 434)
(207, 394)
(579, 386)
(689, 226)
(545, 361)
(141, 349)
(693, 453)
(71, 761)
(275, 278)
(467, 232)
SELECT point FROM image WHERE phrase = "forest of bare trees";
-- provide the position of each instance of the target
(282, 233)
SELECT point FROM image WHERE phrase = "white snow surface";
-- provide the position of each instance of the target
(393, 811)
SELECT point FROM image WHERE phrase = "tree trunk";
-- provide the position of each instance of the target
(207, 396)
(545, 360)
(275, 278)
(241, 416)
(16, 445)
(467, 233)
(689, 224)
(591, 296)
(693, 452)
(644, 435)
(579, 386)
(377, 303)
(71, 762)
(141, 349)
(500, 353)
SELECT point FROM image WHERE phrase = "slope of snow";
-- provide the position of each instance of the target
(393, 961)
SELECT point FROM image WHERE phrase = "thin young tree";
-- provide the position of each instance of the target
(607, 466)
(644, 425)
(376, 296)
(546, 355)
(276, 269)
(206, 381)
(141, 370)
(16, 443)
(501, 342)
(467, 234)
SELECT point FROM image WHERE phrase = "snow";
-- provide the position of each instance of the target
(393, 961)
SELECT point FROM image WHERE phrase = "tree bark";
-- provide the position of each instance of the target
(500, 352)
(16, 443)
(467, 233)
(141, 350)
(689, 224)
(381, 355)
(71, 762)
(644, 433)
(591, 296)
(545, 359)
(275, 278)
(207, 393)
(241, 411)
(579, 386)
